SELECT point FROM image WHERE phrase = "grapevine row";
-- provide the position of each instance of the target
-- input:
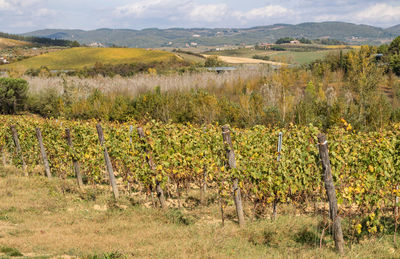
(365, 164)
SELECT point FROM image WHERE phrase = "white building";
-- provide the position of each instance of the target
(3, 60)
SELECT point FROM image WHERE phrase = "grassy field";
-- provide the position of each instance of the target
(42, 218)
(191, 58)
(299, 58)
(9, 43)
(77, 58)
(290, 57)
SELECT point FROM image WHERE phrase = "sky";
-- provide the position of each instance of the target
(18, 16)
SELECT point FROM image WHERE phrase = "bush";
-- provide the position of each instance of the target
(213, 61)
(13, 95)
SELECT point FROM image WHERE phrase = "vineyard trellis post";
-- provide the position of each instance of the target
(275, 203)
(75, 162)
(43, 153)
(203, 184)
(3, 155)
(331, 193)
(108, 161)
(14, 133)
(230, 154)
(152, 165)
(203, 188)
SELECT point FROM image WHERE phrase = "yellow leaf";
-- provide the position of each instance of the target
(371, 168)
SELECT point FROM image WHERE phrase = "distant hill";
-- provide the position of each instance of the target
(77, 58)
(394, 30)
(9, 43)
(179, 37)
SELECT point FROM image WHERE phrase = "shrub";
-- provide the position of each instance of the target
(13, 95)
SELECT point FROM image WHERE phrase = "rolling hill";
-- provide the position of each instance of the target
(77, 58)
(179, 37)
(9, 43)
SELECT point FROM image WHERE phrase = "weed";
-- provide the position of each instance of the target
(110, 255)
(306, 237)
(266, 237)
(176, 216)
(10, 251)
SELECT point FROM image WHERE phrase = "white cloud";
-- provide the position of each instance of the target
(264, 12)
(175, 10)
(4, 5)
(44, 12)
(150, 8)
(209, 13)
(379, 13)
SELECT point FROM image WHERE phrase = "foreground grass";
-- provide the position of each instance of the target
(78, 58)
(50, 218)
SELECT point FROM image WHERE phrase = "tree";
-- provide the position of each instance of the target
(213, 61)
(364, 77)
(395, 64)
(284, 40)
(394, 47)
(13, 95)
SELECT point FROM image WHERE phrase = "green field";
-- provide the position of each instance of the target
(288, 56)
(78, 58)
(299, 58)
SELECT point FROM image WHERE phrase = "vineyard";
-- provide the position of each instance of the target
(164, 159)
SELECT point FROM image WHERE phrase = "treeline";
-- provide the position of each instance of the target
(308, 41)
(41, 41)
(386, 57)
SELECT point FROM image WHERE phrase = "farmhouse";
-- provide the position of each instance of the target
(96, 45)
(264, 45)
(3, 60)
(294, 42)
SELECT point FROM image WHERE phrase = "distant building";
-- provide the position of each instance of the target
(193, 44)
(196, 36)
(294, 42)
(96, 45)
(3, 60)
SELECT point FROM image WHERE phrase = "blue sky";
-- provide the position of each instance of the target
(18, 16)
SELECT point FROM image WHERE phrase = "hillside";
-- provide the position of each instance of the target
(9, 43)
(77, 58)
(394, 29)
(179, 37)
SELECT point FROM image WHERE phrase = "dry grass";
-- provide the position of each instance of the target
(78, 58)
(8, 43)
(52, 218)
(242, 60)
(144, 82)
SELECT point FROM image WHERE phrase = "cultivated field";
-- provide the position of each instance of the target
(9, 43)
(288, 56)
(78, 58)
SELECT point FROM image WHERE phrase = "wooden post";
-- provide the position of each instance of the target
(43, 153)
(108, 161)
(276, 200)
(203, 187)
(152, 165)
(75, 162)
(3, 155)
(230, 154)
(331, 193)
(18, 147)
